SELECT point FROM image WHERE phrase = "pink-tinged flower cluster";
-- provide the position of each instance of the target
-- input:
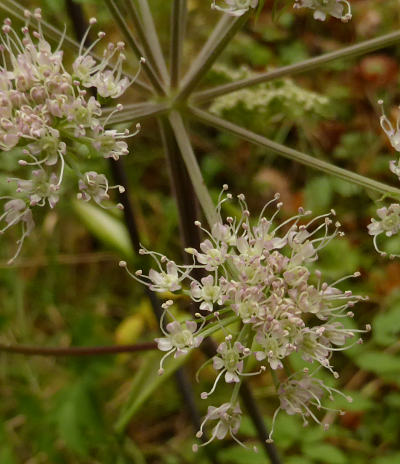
(339, 9)
(259, 274)
(48, 116)
(234, 7)
(388, 222)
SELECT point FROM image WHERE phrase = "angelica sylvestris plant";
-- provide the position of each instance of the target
(260, 275)
(53, 118)
(253, 280)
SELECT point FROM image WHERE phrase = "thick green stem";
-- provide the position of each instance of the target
(215, 45)
(193, 168)
(296, 155)
(303, 66)
(132, 42)
(146, 41)
(178, 26)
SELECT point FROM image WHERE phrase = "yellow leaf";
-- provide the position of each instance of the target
(130, 329)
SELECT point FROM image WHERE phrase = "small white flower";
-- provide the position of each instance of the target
(389, 224)
(165, 281)
(235, 7)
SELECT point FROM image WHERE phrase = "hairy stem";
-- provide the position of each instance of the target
(303, 66)
(295, 155)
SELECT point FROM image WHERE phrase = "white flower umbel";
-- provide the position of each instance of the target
(47, 115)
(234, 7)
(260, 274)
(339, 9)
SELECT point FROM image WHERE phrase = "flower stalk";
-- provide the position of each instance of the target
(303, 66)
(295, 155)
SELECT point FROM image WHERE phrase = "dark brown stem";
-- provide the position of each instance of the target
(76, 350)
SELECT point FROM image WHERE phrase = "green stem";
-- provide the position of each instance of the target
(178, 26)
(192, 167)
(212, 328)
(296, 155)
(218, 40)
(152, 37)
(130, 38)
(144, 37)
(138, 112)
(303, 66)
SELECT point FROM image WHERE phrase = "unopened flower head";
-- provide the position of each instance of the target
(339, 9)
(47, 115)
(234, 7)
(260, 273)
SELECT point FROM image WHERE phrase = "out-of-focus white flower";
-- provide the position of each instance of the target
(339, 9)
(234, 7)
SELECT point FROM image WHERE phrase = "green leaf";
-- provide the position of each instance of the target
(391, 459)
(105, 227)
(146, 382)
(239, 455)
(379, 363)
(7, 456)
(318, 194)
(297, 460)
(325, 453)
(386, 326)
(359, 403)
(77, 419)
